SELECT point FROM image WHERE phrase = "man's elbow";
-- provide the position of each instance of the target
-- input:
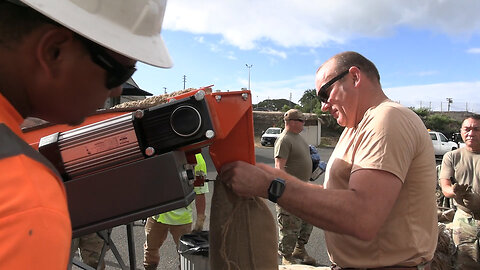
(366, 231)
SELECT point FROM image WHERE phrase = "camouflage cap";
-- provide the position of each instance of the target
(293, 114)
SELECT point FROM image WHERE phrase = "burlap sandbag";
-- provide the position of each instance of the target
(243, 233)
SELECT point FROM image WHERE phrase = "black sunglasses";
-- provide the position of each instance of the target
(298, 120)
(117, 73)
(323, 94)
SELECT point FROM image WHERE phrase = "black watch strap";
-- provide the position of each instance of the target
(276, 189)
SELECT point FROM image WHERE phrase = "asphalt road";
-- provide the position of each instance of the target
(169, 258)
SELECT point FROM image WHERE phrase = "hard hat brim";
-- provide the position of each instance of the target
(147, 49)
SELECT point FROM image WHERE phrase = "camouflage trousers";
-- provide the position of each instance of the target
(90, 247)
(465, 234)
(292, 231)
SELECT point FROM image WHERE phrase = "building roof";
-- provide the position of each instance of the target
(130, 88)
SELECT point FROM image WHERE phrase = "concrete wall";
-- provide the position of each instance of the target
(312, 134)
(312, 129)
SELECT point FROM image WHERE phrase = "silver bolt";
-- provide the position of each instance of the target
(200, 95)
(138, 114)
(209, 134)
(218, 98)
(244, 96)
(184, 176)
(149, 151)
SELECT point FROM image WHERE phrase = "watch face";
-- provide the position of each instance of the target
(276, 189)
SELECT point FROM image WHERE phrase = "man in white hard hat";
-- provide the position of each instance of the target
(60, 61)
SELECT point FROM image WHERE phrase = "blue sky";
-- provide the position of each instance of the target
(426, 51)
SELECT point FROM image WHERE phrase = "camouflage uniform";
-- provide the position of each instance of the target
(90, 248)
(292, 230)
(466, 232)
(463, 167)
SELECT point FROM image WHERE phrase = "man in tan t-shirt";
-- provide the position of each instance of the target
(378, 207)
(462, 167)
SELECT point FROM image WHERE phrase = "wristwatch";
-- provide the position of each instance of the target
(275, 190)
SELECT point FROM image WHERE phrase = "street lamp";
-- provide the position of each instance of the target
(248, 66)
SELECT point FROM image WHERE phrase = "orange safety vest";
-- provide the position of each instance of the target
(35, 229)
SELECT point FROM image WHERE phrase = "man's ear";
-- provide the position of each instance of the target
(51, 49)
(356, 75)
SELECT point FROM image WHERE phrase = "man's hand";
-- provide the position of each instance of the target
(460, 190)
(472, 202)
(246, 179)
(466, 197)
(199, 223)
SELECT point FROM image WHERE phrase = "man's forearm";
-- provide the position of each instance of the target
(343, 210)
(280, 163)
(447, 188)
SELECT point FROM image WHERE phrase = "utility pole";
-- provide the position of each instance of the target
(165, 90)
(249, 67)
(184, 80)
(449, 101)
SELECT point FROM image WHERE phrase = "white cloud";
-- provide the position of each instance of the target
(246, 23)
(474, 50)
(216, 48)
(427, 73)
(273, 52)
(199, 39)
(465, 96)
(282, 89)
(231, 55)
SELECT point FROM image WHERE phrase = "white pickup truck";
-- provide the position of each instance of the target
(441, 144)
(270, 136)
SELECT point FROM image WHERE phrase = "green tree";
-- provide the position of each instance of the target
(437, 121)
(318, 109)
(309, 100)
(274, 104)
(442, 123)
(285, 108)
(423, 113)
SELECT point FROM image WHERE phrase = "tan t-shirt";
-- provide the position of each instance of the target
(463, 167)
(391, 138)
(294, 149)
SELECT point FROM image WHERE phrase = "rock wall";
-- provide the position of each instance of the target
(263, 120)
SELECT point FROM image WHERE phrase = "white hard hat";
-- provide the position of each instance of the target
(129, 27)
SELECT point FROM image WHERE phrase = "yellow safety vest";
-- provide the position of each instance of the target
(183, 215)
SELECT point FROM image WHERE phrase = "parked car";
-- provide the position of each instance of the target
(441, 144)
(270, 136)
(457, 137)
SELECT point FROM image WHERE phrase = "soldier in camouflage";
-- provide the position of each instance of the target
(292, 154)
(460, 179)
